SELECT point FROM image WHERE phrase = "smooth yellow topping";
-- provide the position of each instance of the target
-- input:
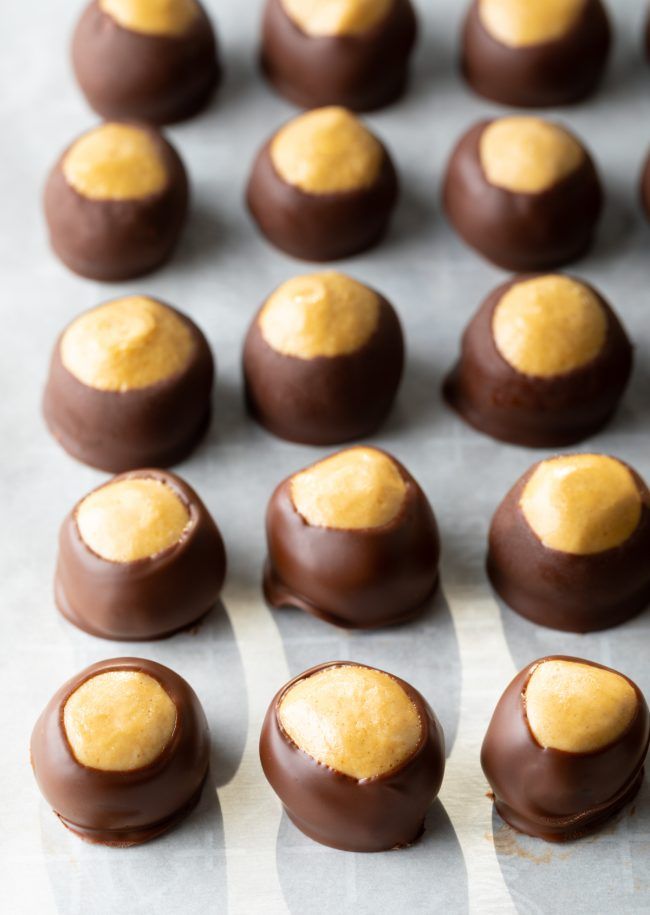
(576, 707)
(352, 719)
(352, 490)
(132, 519)
(119, 720)
(115, 162)
(549, 325)
(323, 314)
(152, 17)
(126, 344)
(527, 155)
(520, 23)
(326, 151)
(582, 503)
(336, 17)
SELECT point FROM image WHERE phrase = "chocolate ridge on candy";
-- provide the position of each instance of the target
(116, 431)
(123, 808)
(560, 71)
(373, 814)
(554, 794)
(320, 226)
(159, 78)
(325, 400)
(117, 239)
(568, 591)
(150, 597)
(522, 232)
(362, 71)
(531, 410)
(353, 578)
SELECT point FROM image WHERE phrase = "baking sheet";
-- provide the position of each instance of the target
(237, 853)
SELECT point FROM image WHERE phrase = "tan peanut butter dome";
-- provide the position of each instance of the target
(355, 489)
(582, 503)
(549, 325)
(119, 720)
(521, 23)
(323, 18)
(126, 344)
(352, 719)
(115, 162)
(326, 151)
(152, 17)
(322, 314)
(132, 519)
(527, 155)
(576, 707)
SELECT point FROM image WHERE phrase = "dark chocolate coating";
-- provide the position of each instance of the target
(358, 579)
(320, 227)
(553, 794)
(521, 232)
(362, 72)
(567, 591)
(148, 598)
(372, 814)
(558, 72)
(123, 808)
(156, 78)
(325, 400)
(112, 240)
(158, 425)
(538, 412)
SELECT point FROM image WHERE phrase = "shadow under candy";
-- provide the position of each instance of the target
(607, 871)
(428, 877)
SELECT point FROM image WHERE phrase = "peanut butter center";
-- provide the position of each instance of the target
(131, 519)
(323, 314)
(352, 719)
(527, 155)
(354, 489)
(549, 325)
(119, 721)
(115, 162)
(126, 344)
(582, 503)
(521, 23)
(152, 17)
(323, 18)
(576, 707)
(326, 151)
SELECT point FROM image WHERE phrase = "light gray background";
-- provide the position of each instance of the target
(221, 273)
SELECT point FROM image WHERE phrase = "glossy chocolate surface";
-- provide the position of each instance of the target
(517, 231)
(553, 794)
(158, 425)
(112, 240)
(361, 578)
(558, 72)
(362, 72)
(147, 598)
(325, 400)
(566, 591)
(144, 77)
(320, 227)
(123, 808)
(373, 814)
(538, 412)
